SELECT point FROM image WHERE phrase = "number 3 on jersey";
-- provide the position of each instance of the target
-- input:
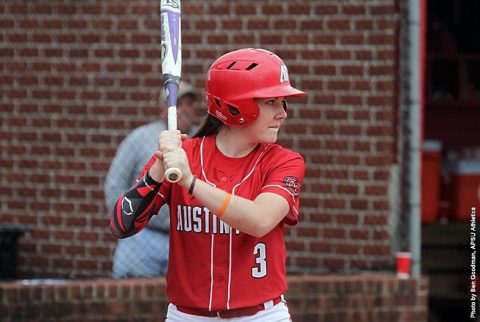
(260, 253)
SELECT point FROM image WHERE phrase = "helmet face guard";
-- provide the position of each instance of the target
(236, 78)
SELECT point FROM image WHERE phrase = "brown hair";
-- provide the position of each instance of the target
(210, 125)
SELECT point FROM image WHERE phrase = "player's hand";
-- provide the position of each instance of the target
(157, 170)
(169, 141)
(178, 159)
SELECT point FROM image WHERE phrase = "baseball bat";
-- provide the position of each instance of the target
(171, 51)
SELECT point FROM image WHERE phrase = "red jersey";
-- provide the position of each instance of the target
(214, 266)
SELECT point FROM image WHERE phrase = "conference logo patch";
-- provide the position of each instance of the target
(292, 184)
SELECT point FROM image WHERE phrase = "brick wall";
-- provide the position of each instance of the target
(359, 298)
(77, 76)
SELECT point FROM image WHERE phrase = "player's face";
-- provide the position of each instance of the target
(272, 114)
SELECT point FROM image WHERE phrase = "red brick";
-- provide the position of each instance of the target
(340, 24)
(354, 9)
(28, 52)
(338, 233)
(299, 8)
(381, 70)
(217, 39)
(338, 54)
(231, 25)
(382, 9)
(90, 9)
(352, 70)
(285, 24)
(324, 39)
(348, 249)
(18, 9)
(308, 231)
(78, 53)
(339, 85)
(334, 263)
(76, 24)
(322, 188)
(347, 189)
(127, 25)
(323, 10)
(347, 219)
(67, 10)
(17, 38)
(205, 25)
(129, 53)
(337, 145)
(378, 160)
(375, 220)
(334, 203)
(363, 55)
(376, 250)
(315, 24)
(115, 39)
(272, 9)
(245, 9)
(336, 174)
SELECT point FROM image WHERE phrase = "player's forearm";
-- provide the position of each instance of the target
(248, 216)
(133, 209)
(157, 171)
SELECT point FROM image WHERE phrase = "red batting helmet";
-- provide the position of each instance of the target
(236, 78)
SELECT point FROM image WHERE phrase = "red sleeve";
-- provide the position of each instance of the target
(285, 179)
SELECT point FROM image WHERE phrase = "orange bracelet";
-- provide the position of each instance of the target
(224, 205)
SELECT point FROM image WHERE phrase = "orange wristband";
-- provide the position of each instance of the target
(224, 205)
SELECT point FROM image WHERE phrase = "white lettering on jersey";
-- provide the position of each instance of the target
(200, 220)
(260, 253)
(187, 218)
(224, 228)
(179, 218)
(197, 226)
(283, 73)
(207, 220)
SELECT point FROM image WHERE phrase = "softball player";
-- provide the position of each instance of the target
(238, 190)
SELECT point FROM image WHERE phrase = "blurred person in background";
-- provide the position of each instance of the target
(146, 253)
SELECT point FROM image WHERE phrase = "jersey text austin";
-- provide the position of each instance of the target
(200, 220)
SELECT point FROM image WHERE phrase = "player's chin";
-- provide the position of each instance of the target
(270, 137)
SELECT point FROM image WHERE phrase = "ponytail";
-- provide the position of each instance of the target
(210, 125)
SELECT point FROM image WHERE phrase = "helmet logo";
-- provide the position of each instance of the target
(283, 73)
(220, 115)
